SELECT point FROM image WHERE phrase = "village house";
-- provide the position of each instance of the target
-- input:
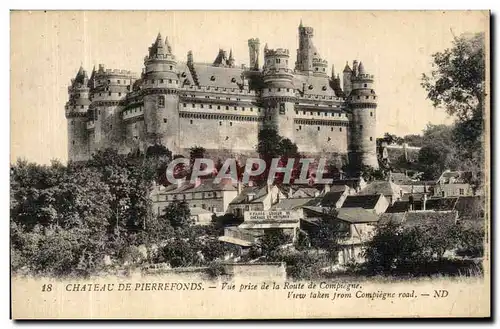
(453, 183)
(391, 191)
(255, 198)
(205, 195)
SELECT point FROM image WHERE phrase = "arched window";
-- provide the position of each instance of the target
(161, 101)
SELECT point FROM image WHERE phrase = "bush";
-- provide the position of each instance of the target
(216, 269)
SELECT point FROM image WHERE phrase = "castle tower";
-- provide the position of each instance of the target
(278, 94)
(346, 79)
(362, 103)
(76, 114)
(161, 100)
(230, 60)
(108, 93)
(307, 51)
(254, 50)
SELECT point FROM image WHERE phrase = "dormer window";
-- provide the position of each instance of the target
(233, 80)
(183, 74)
(212, 78)
(311, 87)
(324, 88)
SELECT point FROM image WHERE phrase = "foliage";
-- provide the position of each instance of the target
(177, 214)
(301, 265)
(272, 240)
(328, 234)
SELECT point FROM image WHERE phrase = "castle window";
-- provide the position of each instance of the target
(340, 129)
(118, 81)
(358, 97)
(184, 104)
(227, 107)
(316, 69)
(296, 112)
(191, 121)
(109, 81)
(319, 113)
(329, 138)
(73, 142)
(192, 105)
(152, 80)
(228, 98)
(259, 110)
(300, 127)
(210, 106)
(110, 126)
(367, 97)
(278, 60)
(371, 114)
(286, 61)
(99, 112)
(72, 123)
(231, 124)
(279, 89)
(269, 89)
(319, 128)
(171, 67)
(201, 105)
(100, 94)
(311, 113)
(303, 112)
(161, 80)
(220, 123)
(371, 139)
(235, 108)
(331, 129)
(161, 101)
(323, 69)
(365, 85)
(164, 120)
(243, 108)
(217, 97)
(109, 93)
(82, 107)
(119, 94)
(360, 127)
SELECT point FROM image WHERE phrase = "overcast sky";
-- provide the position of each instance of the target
(48, 48)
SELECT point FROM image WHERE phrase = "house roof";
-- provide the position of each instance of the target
(398, 206)
(331, 198)
(294, 203)
(381, 187)
(357, 215)
(259, 193)
(418, 218)
(206, 185)
(362, 201)
(452, 177)
(391, 218)
(214, 76)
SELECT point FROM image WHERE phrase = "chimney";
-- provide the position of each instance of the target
(179, 182)
(424, 202)
(197, 182)
(405, 150)
(240, 187)
(326, 189)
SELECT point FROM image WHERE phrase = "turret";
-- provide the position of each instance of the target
(307, 51)
(161, 101)
(230, 60)
(362, 103)
(346, 79)
(254, 50)
(278, 94)
(76, 114)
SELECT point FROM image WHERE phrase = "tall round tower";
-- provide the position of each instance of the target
(76, 114)
(362, 102)
(278, 94)
(161, 100)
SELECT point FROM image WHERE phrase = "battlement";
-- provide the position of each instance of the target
(319, 61)
(276, 52)
(209, 89)
(110, 72)
(363, 77)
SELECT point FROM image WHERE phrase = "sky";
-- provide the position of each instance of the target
(47, 48)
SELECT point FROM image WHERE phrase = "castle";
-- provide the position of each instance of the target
(221, 107)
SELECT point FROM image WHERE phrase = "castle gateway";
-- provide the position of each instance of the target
(221, 107)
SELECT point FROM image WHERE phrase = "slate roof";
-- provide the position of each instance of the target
(381, 187)
(294, 203)
(398, 206)
(418, 218)
(362, 201)
(452, 177)
(357, 215)
(331, 198)
(198, 211)
(207, 185)
(223, 76)
(259, 194)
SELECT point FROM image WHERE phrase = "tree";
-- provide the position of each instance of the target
(272, 240)
(177, 214)
(328, 234)
(457, 85)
